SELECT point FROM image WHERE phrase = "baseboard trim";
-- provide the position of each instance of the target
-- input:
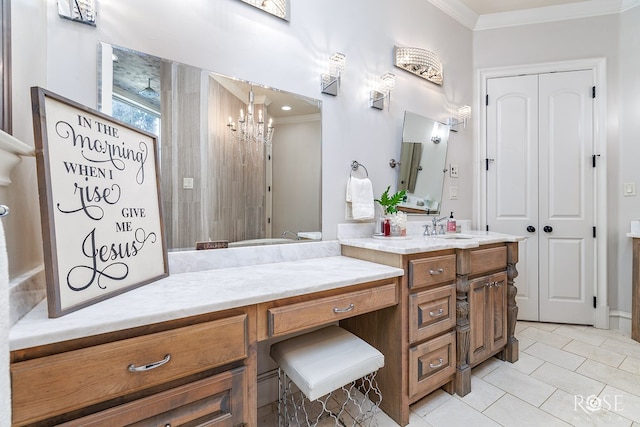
(620, 320)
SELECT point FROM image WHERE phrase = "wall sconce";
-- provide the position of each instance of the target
(83, 11)
(277, 8)
(331, 81)
(385, 85)
(420, 62)
(464, 114)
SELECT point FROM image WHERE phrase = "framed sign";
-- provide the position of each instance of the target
(99, 203)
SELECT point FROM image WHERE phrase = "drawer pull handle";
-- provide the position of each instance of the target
(150, 366)
(344, 310)
(437, 365)
(438, 271)
(436, 313)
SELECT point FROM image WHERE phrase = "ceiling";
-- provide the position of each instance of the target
(490, 14)
(484, 7)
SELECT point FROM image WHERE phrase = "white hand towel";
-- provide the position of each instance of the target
(360, 195)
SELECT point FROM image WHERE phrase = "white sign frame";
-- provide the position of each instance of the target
(100, 203)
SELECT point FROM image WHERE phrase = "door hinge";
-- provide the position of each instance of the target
(594, 231)
(595, 302)
(593, 92)
(486, 100)
(268, 188)
(487, 227)
(594, 159)
(268, 220)
(487, 161)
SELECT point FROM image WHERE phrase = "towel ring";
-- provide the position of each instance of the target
(354, 167)
(4, 210)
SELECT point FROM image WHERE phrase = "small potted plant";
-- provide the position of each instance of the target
(397, 220)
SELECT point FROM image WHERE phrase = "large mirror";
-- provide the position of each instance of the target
(423, 159)
(240, 163)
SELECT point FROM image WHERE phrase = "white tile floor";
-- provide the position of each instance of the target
(566, 375)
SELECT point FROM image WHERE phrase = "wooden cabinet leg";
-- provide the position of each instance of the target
(511, 350)
(463, 371)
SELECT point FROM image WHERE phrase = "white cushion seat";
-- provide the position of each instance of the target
(322, 361)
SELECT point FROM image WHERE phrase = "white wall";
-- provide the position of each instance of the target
(624, 209)
(614, 37)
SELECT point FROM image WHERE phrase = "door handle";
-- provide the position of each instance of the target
(531, 229)
(548, 229)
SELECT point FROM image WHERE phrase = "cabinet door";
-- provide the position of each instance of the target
(479, 315)
(498, 297)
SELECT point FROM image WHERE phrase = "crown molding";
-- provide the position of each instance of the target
(457, 10)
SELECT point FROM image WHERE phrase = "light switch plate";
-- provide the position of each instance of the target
(187, 183)
(453, 193)
(629, 189)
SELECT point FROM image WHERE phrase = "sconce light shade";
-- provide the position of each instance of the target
(331, 80)
(83, 11)
(377, 96)
(420, 62)
(464, 114)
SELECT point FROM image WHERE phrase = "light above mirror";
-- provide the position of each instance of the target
(279, 8)
(213, 189)
(421, 62)
(384, 86)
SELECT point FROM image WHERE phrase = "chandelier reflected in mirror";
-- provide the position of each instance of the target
(420, 62)
(250, 133)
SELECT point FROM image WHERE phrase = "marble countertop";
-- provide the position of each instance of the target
(634, 235)
(197, 292)
(418, 243)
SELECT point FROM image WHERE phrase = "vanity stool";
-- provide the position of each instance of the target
(324, 373)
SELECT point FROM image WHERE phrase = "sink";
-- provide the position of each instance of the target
(452, 236)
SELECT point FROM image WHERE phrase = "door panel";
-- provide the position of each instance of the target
(566, 199)
(512, 178)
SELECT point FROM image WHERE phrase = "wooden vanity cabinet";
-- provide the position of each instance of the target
(456, 308)
(486, 308)
(195, 371)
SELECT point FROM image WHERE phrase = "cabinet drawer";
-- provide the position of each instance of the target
(432, 271)
(304, 315)
(431, 312)
(215, 401)
(431, 364)
(64, 382)
(483, 260)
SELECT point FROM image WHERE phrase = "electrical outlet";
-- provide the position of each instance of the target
(453, 193)
(187, 183)
(453, 170)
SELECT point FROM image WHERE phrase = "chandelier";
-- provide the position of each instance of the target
(250, 132)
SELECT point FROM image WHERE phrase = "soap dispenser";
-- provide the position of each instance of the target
(451, 224)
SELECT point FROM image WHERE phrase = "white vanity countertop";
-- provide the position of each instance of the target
(197, 292)
(419, 243)
(634, 235)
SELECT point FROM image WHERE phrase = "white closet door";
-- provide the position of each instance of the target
(540, 185)
(512, 176)
(566, 201)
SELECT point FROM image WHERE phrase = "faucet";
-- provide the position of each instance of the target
(284, 233)
(436, 220)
